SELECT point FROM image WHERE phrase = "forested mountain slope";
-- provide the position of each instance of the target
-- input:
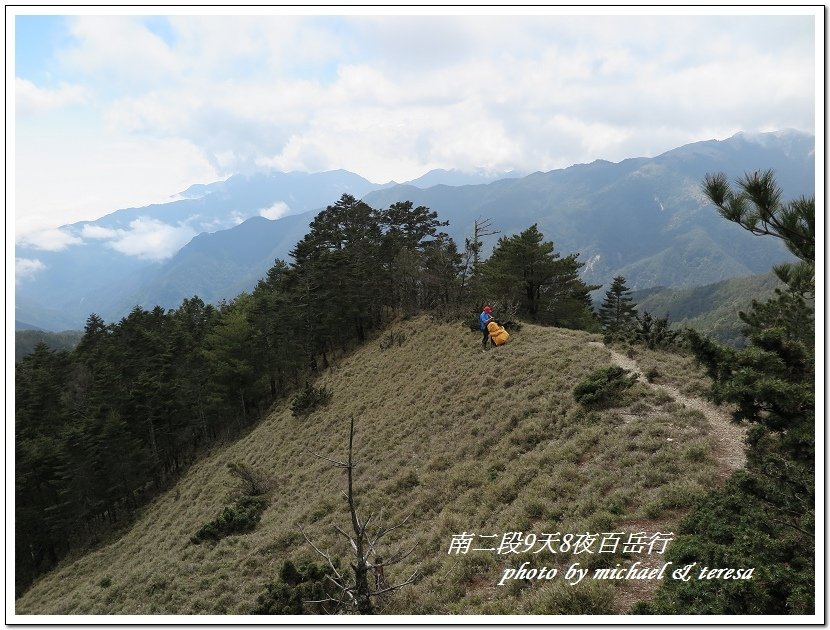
(713, 308)
(464, 441)
(26, 340)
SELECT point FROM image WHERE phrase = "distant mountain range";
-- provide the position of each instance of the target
(645, 218)
(711, 309)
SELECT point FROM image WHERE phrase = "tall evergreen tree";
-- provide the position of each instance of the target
(441, 266)
(277, 333)
(525, 268)
(230, 352)
(337, 261)
(618, 309)
(407, 232)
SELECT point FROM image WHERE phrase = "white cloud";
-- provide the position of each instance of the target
(50, 240)
(98, 232)
(275, 211)
(31, 98)
(25, 268)
(120, 50)
(145, 238)
(91, 174)
(151, 239)
(390, 97)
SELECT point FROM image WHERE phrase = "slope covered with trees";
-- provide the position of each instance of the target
(456, 439)
(712, 309)
(103, 428)
(25, 341)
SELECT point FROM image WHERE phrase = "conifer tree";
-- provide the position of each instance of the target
(617, 312)
(526, 268)
(765, 515)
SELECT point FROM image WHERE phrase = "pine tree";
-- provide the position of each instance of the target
(527, 269)
(617, 312)
(765, 515)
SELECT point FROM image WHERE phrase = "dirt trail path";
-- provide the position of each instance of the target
(729, 438)
(729, 457)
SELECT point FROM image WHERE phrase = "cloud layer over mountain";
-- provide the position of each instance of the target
(120, 110)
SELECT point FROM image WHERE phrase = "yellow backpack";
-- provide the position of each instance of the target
(498, 335)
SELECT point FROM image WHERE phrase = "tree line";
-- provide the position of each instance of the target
(101, 429)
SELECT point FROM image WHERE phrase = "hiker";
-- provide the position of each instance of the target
(485, 318)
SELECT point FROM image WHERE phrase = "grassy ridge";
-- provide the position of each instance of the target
(463, 440)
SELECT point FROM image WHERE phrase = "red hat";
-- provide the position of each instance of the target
(487, 309)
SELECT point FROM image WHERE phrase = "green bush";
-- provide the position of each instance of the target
(603, 386)
(296, 587)
(242, 517)
(655, 332)
(730, 529)
(310, 398)
(393, 338)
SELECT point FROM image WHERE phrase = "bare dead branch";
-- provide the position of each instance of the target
(337, 463)
(356, 588)
(410, 580)
(325, 555)
(365, 523)
(346, 536)
(382, 533)
(345, 590)
(396, 557)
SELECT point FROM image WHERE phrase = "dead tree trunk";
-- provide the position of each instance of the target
(357, 593)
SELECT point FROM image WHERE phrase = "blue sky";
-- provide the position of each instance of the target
(119, 111)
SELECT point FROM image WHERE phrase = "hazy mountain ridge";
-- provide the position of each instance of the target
(712, 309)
(453, 177)
(104, 269)
(25, 340)
(643, 217)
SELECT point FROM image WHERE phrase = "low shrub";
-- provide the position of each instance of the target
(655, 332)
(309, 399)
(602, 387)
(242, 517)
(652, 374)
(731, 528)
(296, 590)
(558, 598)
(396, 338)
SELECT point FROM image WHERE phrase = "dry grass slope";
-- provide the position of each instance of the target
(464, 440)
